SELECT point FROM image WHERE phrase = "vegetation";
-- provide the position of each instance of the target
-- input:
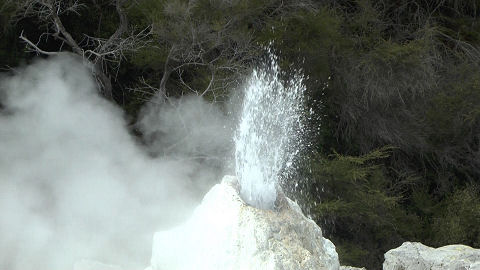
(394, 86)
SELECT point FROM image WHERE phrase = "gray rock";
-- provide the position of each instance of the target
(351, 268)
(224, 233)
(416, 256)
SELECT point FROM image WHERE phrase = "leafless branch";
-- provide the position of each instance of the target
(105, 55)
(35, 47)
(209, 87)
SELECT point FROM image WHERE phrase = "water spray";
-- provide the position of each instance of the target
(267, 140)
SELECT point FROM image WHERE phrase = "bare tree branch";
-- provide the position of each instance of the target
(35, 47)
(105, 55)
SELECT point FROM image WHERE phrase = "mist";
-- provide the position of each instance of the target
(75, 185)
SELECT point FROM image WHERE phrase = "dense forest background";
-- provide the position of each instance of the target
(394, 87)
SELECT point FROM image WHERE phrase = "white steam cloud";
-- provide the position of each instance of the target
(74, 184)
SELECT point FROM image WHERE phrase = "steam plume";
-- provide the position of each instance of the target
(74, 184)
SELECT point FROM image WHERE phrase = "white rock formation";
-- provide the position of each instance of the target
(351, 268)
(416, 256)
(93, 265)
(224, 233)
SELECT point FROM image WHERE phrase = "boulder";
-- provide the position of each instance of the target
(224, 233)
(416, 256)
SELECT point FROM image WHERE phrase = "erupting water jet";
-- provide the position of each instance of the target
(267, 140)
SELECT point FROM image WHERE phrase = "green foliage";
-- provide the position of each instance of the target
(150, 57)
(356, 202)
(9, 55)
(455, 112)
(458, 218)
(7, 11)
(393, 55)
(306, 39)
(363, 26)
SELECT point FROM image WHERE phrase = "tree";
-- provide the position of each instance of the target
(204, 46)
(102, 55)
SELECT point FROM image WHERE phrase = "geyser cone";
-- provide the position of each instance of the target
(224, 233)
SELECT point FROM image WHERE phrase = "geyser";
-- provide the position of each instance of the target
(267, 139)
(236, 226)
